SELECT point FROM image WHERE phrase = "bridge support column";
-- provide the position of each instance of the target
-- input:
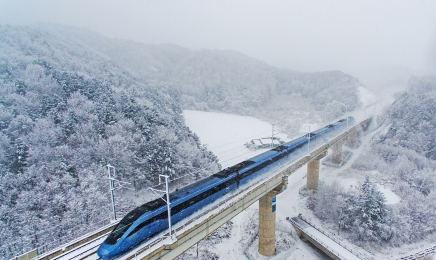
(313, 171)
(312, 175)
(352, 137)
(337, 153)
(267, 224)
(267, 219)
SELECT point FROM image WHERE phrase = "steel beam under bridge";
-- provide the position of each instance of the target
(191, 233)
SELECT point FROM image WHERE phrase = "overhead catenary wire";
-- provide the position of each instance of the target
(230, 151)
(235, 157)
(177, 178)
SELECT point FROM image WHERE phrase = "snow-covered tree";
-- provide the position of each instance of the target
(371, 214)
(66, 111)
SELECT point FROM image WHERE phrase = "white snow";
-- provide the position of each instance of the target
(226, 134)
(391, 197)
(84, 251)
(366, 96)
(330, 244)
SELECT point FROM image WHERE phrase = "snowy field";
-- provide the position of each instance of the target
(225, 135)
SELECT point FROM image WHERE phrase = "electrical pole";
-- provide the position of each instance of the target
(111, 172)
(346, 112)
(168, 202)
(111, 169)
(272, 136)
(308, 144)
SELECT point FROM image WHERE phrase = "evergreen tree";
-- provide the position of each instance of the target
(18, 157)
(371, 211)
(366, 215)
(347, 213)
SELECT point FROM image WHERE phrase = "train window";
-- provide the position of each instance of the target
(201, 196)
(280, 148)
(143, 224)
(226, 172)
(164, 198)
(155, 204)
(149, 221)
(134, 214)
(191, 187)
(139, 211)
(116, 233)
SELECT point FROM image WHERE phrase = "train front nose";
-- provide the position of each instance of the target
(106, 251)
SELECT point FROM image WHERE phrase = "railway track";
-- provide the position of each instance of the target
(85, 251)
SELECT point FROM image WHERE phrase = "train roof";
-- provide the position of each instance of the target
(194, 186)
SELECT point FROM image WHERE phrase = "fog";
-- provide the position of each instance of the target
(363, 38)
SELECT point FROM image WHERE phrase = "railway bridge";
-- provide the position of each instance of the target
(324, 241)
(188, 233)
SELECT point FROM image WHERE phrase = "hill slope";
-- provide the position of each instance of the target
(66, 111)
(402, 158)
(229, 81)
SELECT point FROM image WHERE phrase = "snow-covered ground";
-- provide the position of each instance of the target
(225, 135)
(391, 197)
(366, 96)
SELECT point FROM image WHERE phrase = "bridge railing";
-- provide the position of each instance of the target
(420, 254)
(314, 239)
(349, 249)
(46, 247)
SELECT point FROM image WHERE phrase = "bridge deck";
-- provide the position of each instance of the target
(324, 240)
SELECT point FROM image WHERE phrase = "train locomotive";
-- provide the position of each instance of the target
(151, 218)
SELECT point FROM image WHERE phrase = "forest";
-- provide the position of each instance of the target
(403, 157)
(229, 81)
(66, 112)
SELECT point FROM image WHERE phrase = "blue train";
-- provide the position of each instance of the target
(151, 218)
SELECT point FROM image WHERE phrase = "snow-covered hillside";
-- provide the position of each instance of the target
(66, 111)
(228, 81)
(225, 135)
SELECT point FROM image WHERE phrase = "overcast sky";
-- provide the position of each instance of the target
(306, 35)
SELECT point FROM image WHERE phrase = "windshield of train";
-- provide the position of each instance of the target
(126, 222)
(116, 233)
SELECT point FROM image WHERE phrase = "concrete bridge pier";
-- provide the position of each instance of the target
(352, 137)
(313, 171)
(267, 220)
(267, 224)
(337, 153)
(312, 175)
